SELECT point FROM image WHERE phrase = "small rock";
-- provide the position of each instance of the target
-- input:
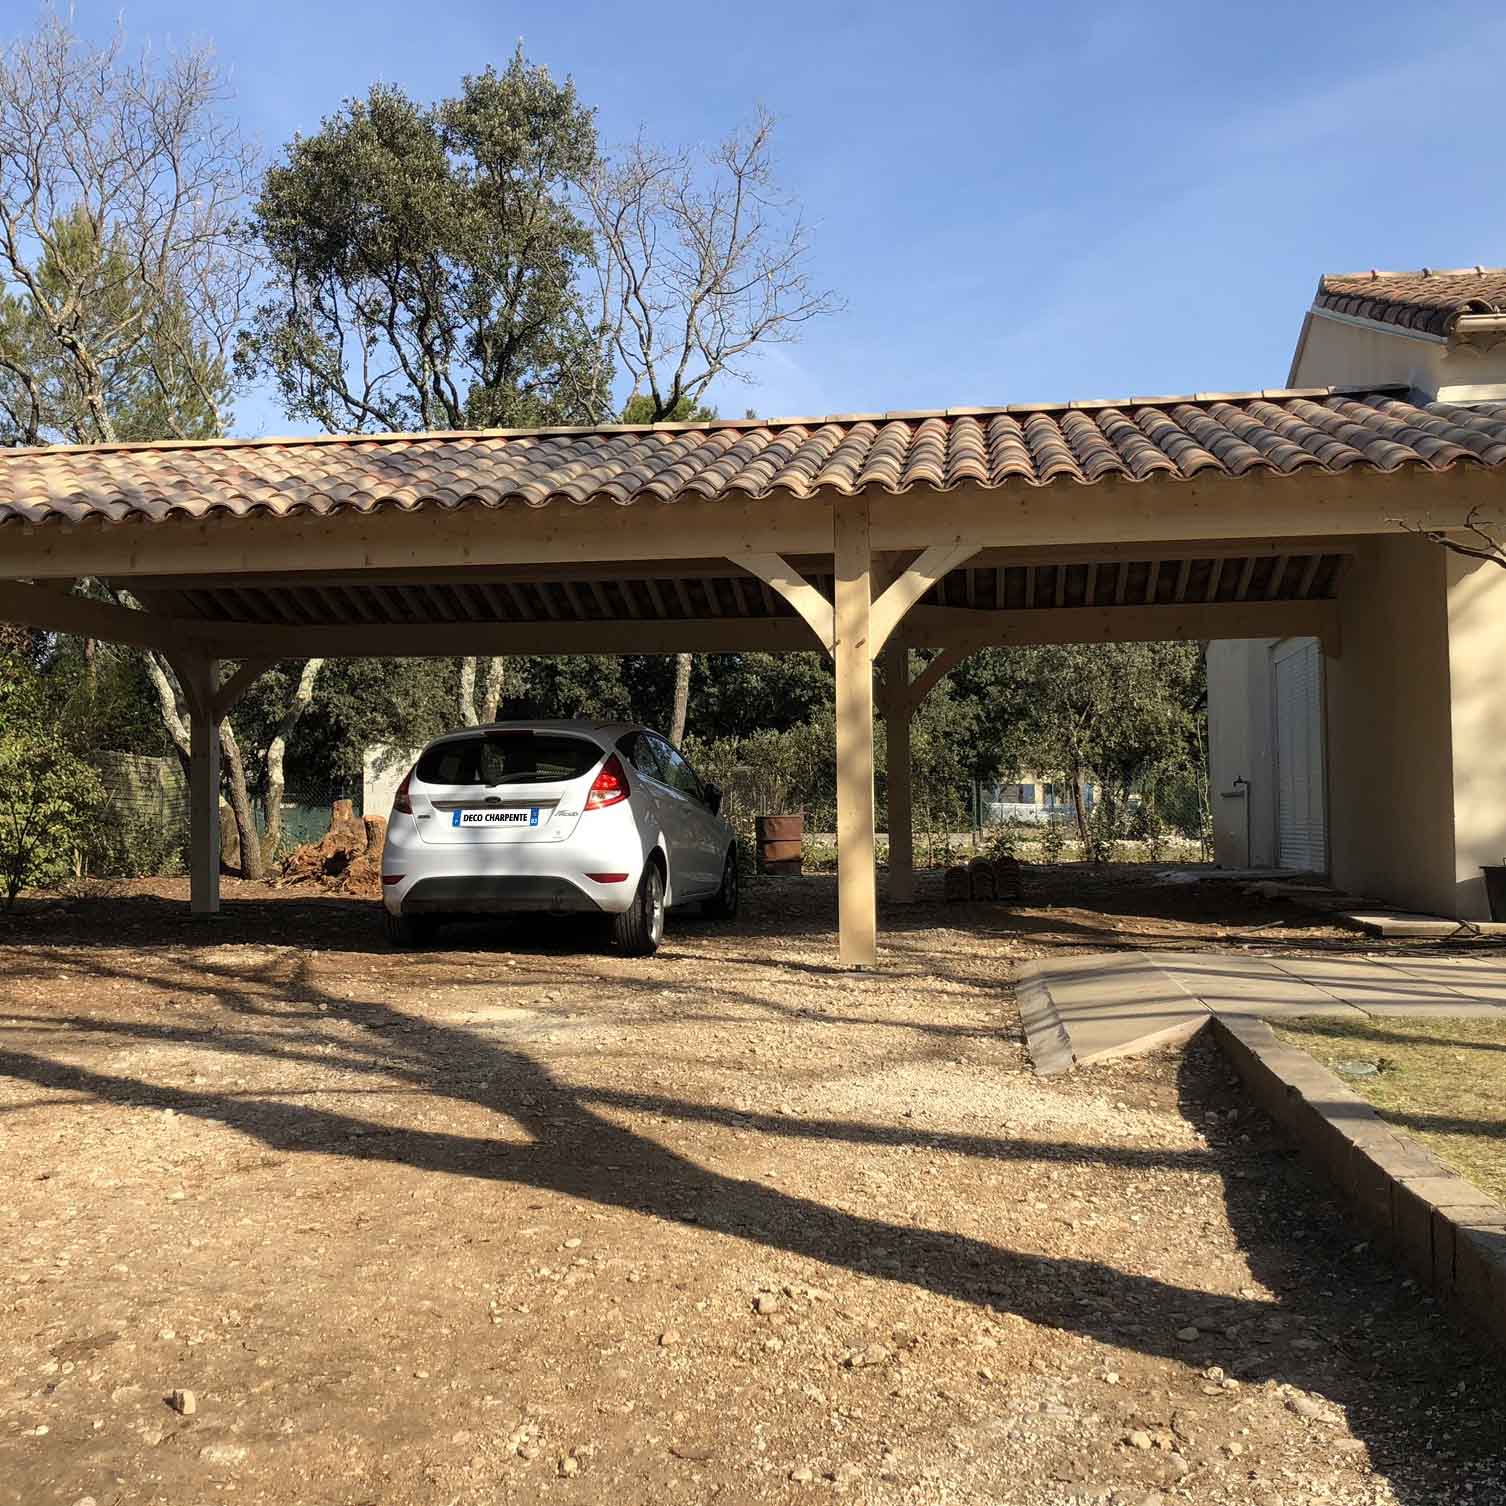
(184, 1402)
(571, 1244)
(669, 1338)
(225, 1454)
(569, 1466)
(1188, 1334)
(1305, 1406)
(858, 1359)
(802, 1476)
(765, 1303)
(1139, 1438)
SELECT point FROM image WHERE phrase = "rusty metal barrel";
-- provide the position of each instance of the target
(779, 840)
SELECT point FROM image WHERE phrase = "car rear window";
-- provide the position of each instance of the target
(493, 758)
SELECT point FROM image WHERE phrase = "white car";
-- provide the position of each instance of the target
(561, 817)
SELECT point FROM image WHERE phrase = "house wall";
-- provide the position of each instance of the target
(1477, 723)
(1391, 803)
(1333, 352)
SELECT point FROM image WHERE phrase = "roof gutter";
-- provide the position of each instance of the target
(1477, 326)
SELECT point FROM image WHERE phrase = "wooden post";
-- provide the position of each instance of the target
(200, 678)
(897, 713)
(857, 902)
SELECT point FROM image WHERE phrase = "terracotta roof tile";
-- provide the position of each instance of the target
(1429, 300)
(1030, 445)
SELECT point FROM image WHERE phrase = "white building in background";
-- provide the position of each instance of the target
(1274, 782)
(1034, 799)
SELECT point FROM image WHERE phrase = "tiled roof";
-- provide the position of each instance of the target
(1428, 300)
(1231, 434)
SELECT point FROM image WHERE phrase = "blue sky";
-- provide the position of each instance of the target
(1018, 202)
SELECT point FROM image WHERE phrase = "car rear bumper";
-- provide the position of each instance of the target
(498, 894)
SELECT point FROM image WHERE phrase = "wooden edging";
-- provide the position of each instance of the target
(1448, 1233)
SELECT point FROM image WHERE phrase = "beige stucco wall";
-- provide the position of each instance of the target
(1336, 354)
(1477, 676)
(1390, 744)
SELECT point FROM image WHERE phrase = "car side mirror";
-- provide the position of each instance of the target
(714, 799)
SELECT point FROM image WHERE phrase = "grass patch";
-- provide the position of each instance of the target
(1441, 1081)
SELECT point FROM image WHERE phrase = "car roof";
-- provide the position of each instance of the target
(580, 726)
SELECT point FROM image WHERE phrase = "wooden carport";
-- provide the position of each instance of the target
(1204, 517)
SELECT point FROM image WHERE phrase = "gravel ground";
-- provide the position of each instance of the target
(516, 1219)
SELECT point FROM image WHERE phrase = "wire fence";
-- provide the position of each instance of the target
(143, 830)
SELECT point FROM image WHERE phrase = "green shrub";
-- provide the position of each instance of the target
(1053, 839)
(129, 844)
(50, 801)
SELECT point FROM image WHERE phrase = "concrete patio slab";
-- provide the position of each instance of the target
(1381, 987)
(1404, 924)
(1248, 985)
(1084, 1009)
(1102, 1006)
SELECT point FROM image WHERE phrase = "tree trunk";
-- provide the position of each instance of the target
(496, 680)
(1079, 812)
(240, 803)
(468, 715)
(177, 728)
(682, 699)
(277, 752)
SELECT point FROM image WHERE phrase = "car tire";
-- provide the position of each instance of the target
(638, 931)
(723, 904)
(407, 931)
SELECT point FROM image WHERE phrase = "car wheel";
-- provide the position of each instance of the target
(406, 931)
(723, 904)
(640, 928)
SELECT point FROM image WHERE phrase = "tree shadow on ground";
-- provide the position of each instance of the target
(1397, 1354)
(1346, 1323)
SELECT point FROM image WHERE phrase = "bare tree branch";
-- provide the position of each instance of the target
(698, 263)
(121, 188)
(1486, 546)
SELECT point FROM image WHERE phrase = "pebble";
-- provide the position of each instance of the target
(802, 1476)
(669, 1338)
(1139, 1439)
(857, 1359)
(184, 1402)
(569, 1466)
(1305, 1406)
(1188, 1334)
(765, 1303)
(224, 1453)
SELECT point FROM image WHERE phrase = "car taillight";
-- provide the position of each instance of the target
(401, 804)
(610, 786)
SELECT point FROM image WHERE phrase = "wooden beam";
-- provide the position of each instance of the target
(1311, 503)
(937, 668)
(941, 627)
(237, 685)
(898, 794)
(776, 573)
(857, 901)
(913, 583)
(55, 611)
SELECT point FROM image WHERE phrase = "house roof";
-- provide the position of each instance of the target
(1429, 300)
(1231, 434)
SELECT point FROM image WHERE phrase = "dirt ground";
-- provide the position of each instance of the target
(516, 1219)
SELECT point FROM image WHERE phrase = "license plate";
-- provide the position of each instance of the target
(513, 817)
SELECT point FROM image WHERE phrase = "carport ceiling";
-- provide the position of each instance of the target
(699, 590)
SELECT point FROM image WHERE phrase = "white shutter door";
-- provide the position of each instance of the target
(1302, 823)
